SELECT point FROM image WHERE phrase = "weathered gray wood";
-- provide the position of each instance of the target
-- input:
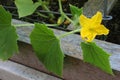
(74, 69)
(13, 71)
(92, 6)
(71, 47)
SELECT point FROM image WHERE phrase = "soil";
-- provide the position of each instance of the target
(113, 25)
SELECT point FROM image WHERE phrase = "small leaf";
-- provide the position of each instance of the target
(96, 56)
(76, 12)
(8, 35)
(47, 48)
(26, 7)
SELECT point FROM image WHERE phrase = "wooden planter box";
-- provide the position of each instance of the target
(74, 67)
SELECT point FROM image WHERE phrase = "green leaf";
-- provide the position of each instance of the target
(95, 55)
(76, 12)
(26, 7)
(47, 48)
(8, 35)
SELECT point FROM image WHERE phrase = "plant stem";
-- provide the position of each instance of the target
(42, 15)
(68, 33)
(62, 13)
(23, 25)
(51, 24)
(45, 7)
(28, 25)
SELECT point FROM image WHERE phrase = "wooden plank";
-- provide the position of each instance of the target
(92, 6)
(14, 71)
(70, 46)
(74, 69)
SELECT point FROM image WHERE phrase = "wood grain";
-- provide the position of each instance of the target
(92, 6)
(74, 67)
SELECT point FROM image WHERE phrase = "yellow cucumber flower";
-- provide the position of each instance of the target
(90, 27)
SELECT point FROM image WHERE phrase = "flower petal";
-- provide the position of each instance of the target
(87, 35)
(91, 37)
(84, 32)
(97, 18)
(92, 27)
(101, 29)
(84, 21)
